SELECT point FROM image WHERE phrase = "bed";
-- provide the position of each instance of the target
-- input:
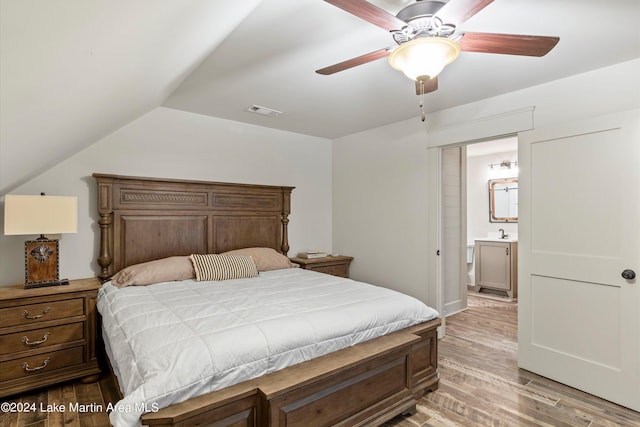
(351, 379)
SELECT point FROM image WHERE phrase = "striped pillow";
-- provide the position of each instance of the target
(223, 267)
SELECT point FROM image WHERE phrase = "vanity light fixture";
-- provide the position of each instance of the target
(504, 165)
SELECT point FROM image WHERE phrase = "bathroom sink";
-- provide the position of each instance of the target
(509, 239)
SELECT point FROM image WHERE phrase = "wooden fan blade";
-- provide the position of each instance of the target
(429, 85)
(370, 13)
(508, 44)
(353, 62)
(458, 11)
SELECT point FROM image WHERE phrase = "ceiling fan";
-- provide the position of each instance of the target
(425, 33)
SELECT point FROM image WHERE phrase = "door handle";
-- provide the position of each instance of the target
(629, 274)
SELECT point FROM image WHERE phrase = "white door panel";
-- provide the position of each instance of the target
(593, 308)
(579, 320)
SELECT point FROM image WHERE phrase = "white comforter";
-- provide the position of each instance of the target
(172, 341)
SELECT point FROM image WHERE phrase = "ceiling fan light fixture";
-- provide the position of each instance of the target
(424, 56)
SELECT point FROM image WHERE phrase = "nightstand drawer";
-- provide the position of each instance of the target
(341, 270)
(47, 335)
(33, 313)
(40, 338)
(41, 364)
(336, 265)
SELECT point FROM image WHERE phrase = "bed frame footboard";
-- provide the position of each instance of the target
(363, 385)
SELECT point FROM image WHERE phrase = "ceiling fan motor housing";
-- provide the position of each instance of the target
(419, 9)
(422, 21)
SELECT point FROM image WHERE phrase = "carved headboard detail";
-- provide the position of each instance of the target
(142, 219)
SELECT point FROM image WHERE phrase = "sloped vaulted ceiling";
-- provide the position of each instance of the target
(73, 71)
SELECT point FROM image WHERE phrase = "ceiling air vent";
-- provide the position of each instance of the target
(263, 111)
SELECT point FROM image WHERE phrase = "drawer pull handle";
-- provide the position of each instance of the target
(26, 367)
(26, 341)
(25, 314)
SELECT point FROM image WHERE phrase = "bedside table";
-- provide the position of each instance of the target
(335, 265)
(48, 335)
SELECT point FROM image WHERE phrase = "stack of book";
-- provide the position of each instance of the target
(312, 254)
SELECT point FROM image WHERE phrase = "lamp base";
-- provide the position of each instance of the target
(45, 284)
(41, 263)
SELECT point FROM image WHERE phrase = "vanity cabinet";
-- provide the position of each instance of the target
(497, 266)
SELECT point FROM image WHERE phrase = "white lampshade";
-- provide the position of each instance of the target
(40, 214)
(424, 57)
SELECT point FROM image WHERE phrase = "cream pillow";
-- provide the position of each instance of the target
(161, 270)
(265, 258)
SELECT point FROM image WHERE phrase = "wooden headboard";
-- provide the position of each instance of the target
(142, 219)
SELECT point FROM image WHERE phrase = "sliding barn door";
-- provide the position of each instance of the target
(579, 232)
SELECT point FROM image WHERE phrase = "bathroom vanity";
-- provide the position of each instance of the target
(496, 264)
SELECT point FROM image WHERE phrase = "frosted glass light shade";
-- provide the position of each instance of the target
(40, 214)
(424, 56)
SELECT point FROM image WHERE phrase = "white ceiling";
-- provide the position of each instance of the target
(270, 59)
(73, 71)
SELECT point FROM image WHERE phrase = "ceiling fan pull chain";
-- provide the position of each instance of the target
(422, 99)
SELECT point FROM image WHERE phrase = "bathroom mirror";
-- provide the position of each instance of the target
(503, 200)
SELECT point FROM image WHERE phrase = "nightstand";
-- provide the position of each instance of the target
(47, 335)
(335, 265)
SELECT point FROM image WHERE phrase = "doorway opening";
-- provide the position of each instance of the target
(492, 218)
(478, 234)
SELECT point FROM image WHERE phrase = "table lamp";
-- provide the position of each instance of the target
(24, 215)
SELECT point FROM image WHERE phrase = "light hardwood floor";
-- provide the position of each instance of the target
(480, 385)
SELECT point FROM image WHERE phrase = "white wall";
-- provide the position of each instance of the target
(169, 143)
(381, 213)
(380, 205)
(478, 175)
(378, 185)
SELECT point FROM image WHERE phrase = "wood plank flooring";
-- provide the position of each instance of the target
(480, 385)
